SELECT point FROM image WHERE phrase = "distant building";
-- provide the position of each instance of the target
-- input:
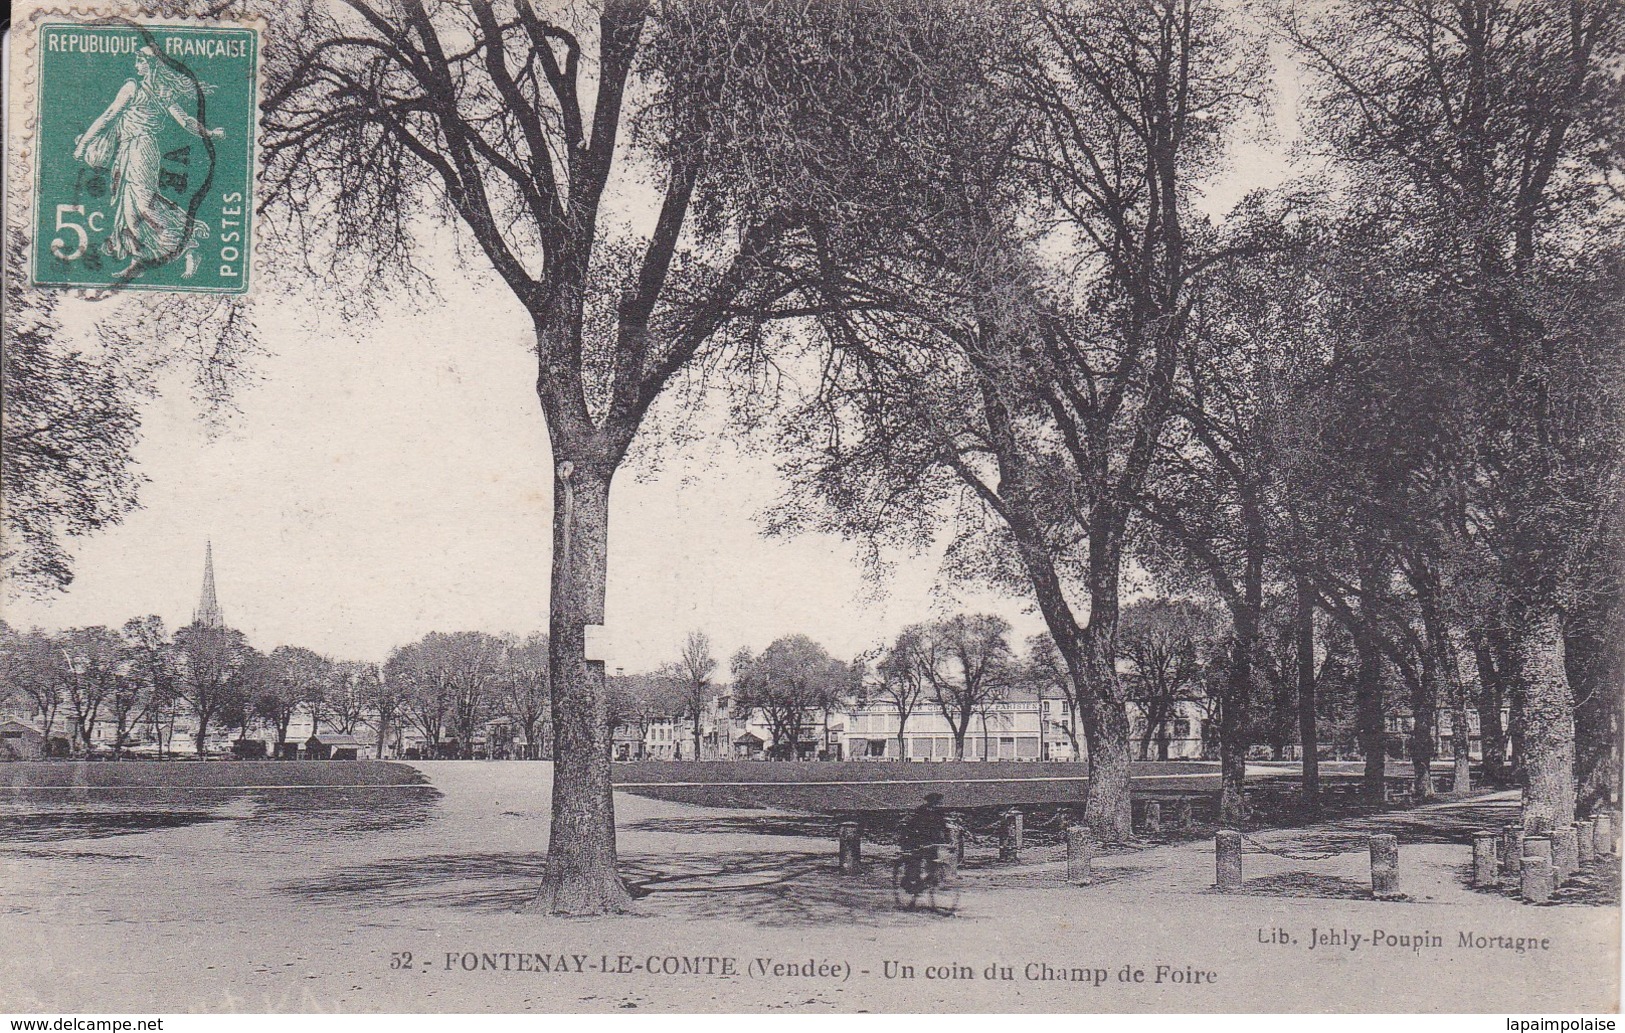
(20, 741)
(333, 746)
(1007, 730)
(208, 611)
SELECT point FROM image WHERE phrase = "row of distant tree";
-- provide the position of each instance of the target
(137, 680)
(1173, 653)
(446, 688)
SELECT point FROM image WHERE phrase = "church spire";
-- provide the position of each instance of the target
(208, 608)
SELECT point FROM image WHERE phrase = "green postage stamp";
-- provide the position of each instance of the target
(144, 156)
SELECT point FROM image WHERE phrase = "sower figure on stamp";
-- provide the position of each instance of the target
(923, 832)
(147, 228)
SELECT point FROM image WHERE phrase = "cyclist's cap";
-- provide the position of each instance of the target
(933, 798)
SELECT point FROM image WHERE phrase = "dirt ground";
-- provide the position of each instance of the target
(311, 900)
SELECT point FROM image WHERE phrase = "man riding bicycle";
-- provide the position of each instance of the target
(924, 830)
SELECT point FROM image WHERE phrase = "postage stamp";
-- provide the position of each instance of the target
(144, 162)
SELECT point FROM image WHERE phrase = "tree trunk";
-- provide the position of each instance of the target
(1369, 717)
(1072, 729)
(1233, 714)
(1152, 717)
(1492, 744)
(1546, 706)
(1461, 747)
(1424, 706)
(1233, 717)
(1594, 649)
(1109, 808)
(1508, 660)
(699, 702)
(1439, 639)
(1308, 728)
(581, 876)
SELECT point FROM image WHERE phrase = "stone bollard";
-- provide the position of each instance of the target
(1010, 835)
(1585, 848)
(1484, 860)
(1565, 854)
(1537, 845)
(1227, 859)
(1080, 855)
(1153, 819)
(956, 838)
(851, 836)
(1385, 866)
(1602, 833)
(1182, 813)
(1512, 850)
(1537, 880)
(1540, 846)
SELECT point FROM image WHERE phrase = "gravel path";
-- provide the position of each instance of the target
(264, 903)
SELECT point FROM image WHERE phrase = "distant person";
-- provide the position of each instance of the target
(924, 830)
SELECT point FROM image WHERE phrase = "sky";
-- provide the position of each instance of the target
(390, 476)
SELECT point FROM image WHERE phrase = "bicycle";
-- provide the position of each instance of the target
(937, 884)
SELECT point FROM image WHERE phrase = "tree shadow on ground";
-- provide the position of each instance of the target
(808, 825)
(1450, 824)
(768, 888)
(772, 889)
(329, 811)
(478, 882)
(1594, 885)
(1050, 876)
(74, 855)
(57, 826)
(1299, 884)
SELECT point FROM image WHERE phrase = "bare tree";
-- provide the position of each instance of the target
(1169, 643)
(153, 660)
(1026, 400)
(353, 690)
(214, 663)
(37, 668)
(511, 123)
(423, 691)
(293, 676)
(693, 670)
(525, 689)
(968, 664)
(900, 683)
(791, 680)
(465, 665)
(92, 660)
(129, 698)
(386, 701)
(1047, 673)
